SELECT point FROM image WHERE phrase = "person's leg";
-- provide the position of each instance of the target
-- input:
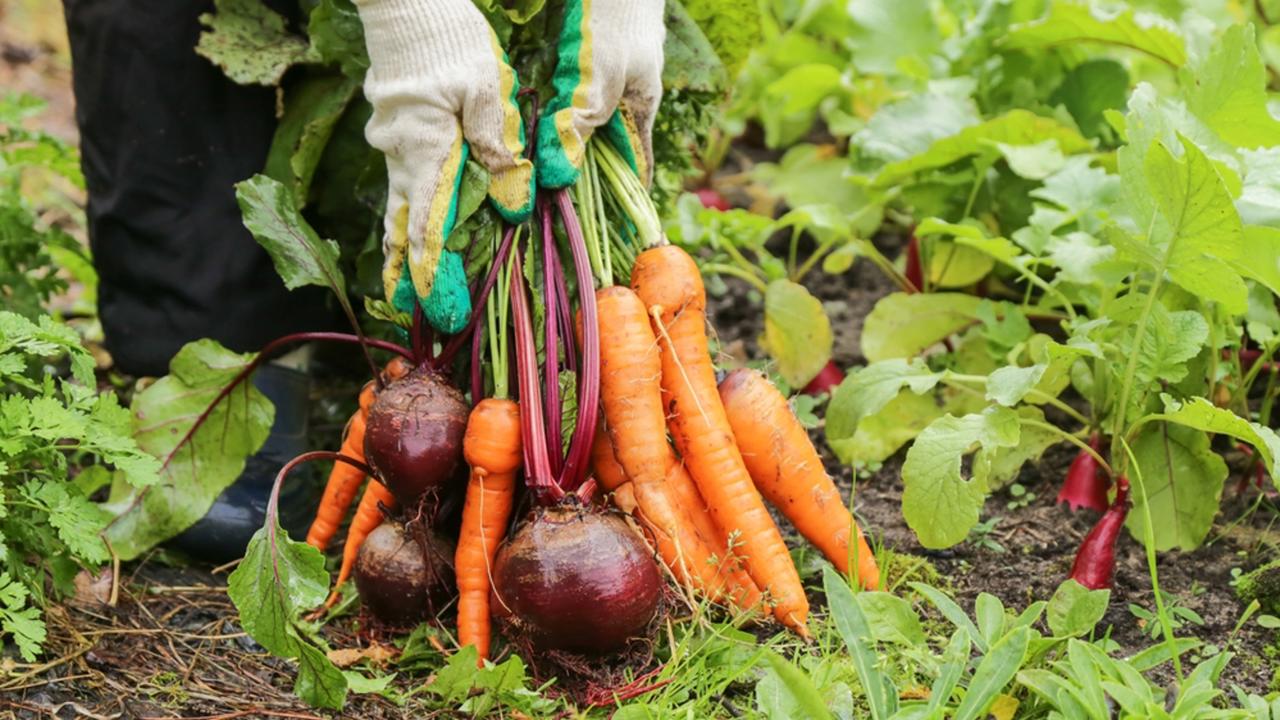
(164, 137)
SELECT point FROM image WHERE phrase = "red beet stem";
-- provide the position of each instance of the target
(577, 462)
(537, 466)
(566, 320)
(478, 307)
(478, 300)
(1085, 484)
(826, 380)
(1096, 559)
(273, 501)
(552, 291)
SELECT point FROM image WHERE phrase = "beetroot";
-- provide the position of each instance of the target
(577, 579)
(1096, 559)
(826, 380)
(1085, 485)
(712, 199)
(413, 437)
(399, 583)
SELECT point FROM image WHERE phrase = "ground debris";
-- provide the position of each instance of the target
(172, 647)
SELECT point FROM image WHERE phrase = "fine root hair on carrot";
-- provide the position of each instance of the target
(656, 312)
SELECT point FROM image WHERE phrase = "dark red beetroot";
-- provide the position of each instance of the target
(397, 582)
(1085, 485)
(1096, 559)
(413, 437)
(578, 580)
(712, 199)
(826, 380)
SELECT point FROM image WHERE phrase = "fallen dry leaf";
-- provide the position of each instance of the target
(92, 590)
(377, 654)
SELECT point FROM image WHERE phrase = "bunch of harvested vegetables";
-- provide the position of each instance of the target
(619, 362)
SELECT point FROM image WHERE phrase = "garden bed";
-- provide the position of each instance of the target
(172, 646)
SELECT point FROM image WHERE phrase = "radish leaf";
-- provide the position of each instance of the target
(902, 325)
(1182, 478)
(797, 332)
(1074, 609)
(1228, 91)
(939, 503)
(1073, 22)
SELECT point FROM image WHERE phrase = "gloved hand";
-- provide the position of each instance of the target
(609, 73)
(440, 87)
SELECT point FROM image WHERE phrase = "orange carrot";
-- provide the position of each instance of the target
(344, 479)
(631, 398)
(492, 449)
(741, 588)
(368, 517)
(787, 470)
(396, 368)
(668, 282)
(606, 469)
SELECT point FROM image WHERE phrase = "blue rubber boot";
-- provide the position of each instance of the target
(223, 533)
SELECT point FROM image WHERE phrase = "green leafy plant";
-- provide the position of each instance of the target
(37, 172)
(1179, 616)
(1088, 682)
(59, 440)
(1136, 256)
(980, 536)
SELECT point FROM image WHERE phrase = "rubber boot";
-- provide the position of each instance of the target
(224, 532)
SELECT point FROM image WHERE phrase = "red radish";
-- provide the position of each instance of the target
(413, 438)
(1250, 356)
(577, 579)
(913, 270)
(1085, 485)
(1255, 465)
(712, 199)
(826, 380)
(398, 582)
(1096, 559)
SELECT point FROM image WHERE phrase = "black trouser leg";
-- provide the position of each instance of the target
(164, 137)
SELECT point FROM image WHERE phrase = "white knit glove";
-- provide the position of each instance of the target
(608, 76)
(439, 83)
